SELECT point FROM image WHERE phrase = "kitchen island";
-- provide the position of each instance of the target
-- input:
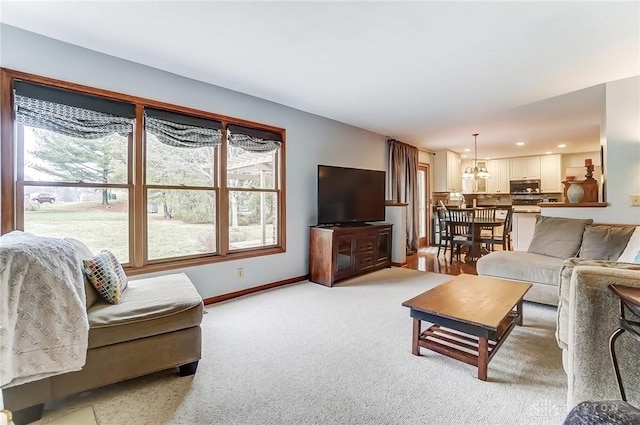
(524, 222)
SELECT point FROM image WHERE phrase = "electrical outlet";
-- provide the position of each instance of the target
(239, 272)
(635, 200)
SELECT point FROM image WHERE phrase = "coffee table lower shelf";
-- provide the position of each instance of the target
(476, 350)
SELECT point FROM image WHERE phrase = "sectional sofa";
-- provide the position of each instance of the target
(555, 240)
(571, 264)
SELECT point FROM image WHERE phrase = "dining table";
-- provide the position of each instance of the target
(476, 251)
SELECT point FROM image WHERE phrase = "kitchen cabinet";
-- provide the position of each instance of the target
(468, 185)
(474, 185)
(551, 173)
(522, 229)
(447, 176)
(499, 180)
(524, 168)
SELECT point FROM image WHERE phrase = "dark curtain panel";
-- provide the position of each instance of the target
(403, 185)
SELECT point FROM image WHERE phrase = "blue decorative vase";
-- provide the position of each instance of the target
(575, 192)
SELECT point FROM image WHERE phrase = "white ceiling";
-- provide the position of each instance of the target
(427, 73)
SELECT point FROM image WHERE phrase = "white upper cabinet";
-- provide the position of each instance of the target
(468, 185)
(551, 173)
(474, 185)
(525, 168)
(447, 176)
(499, 180)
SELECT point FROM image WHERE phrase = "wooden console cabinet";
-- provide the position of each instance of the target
(340, 252)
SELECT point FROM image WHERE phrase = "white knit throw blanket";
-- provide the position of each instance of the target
(44, 329)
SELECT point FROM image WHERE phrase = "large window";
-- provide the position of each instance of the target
(159, 185)
(252, 173)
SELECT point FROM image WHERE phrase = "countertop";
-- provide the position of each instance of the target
(520, 209)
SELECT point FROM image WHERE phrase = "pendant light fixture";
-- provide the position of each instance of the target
(475, 172)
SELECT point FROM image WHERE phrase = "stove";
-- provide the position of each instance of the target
(532, 199)
(526, 199)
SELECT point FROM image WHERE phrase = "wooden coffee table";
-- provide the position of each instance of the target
(471, 317)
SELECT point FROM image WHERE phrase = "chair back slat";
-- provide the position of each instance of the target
(486, 213)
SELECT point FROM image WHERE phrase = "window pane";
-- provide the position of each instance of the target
(250, 169)
(170, 165)
(97, 217)
(49, 156)
(180, 223)
(253, 220)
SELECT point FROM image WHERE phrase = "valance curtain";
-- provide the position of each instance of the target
(71, 113)
(253, 140)
(403, 185)
(182, 131)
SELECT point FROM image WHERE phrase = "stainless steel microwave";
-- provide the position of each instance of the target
(518, 187)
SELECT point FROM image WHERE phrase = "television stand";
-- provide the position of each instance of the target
(340, 252)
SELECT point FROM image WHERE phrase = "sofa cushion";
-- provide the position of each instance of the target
(558, 236)
(91, 295)
(106, 274)
(148, 307)
(519, 265)
(631, 253)
(601, 242)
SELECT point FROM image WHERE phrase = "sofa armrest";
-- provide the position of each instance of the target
(593, 316)
(564, 287)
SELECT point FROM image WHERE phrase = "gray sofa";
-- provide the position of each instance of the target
(155, 326)
(587, 316)
(555, 240)
(588, 310)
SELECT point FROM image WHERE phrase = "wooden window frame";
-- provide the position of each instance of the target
(11, 189)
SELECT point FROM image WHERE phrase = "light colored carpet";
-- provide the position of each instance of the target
(82, 416)
(308, 354)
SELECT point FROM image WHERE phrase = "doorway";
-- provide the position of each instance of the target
(424, 206)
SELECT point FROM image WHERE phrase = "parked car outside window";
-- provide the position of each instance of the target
(43, 197)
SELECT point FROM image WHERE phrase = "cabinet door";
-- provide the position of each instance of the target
(345, 261)
(481, 185)
(531, 167)
(440, 172)
(383, 247)
(523, 227)
(515, 169)
(550, 173)
(525, 168)
(454, 174)
(499, 180)
(467, 184)
(447, 176)
(474, 185)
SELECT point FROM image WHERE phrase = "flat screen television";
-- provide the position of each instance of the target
(350, 195)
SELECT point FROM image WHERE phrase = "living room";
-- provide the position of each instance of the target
(311, 139)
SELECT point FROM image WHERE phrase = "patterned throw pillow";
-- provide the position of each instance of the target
(107, 275)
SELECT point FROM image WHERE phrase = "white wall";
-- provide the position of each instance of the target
(620, 137)
(577, 159)
(311, 140)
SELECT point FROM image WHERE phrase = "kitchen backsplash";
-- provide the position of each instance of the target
(493, 199)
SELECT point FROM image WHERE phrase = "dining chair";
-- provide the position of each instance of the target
(443, 232)
(504, 237)
(460, 224)
(486, 213)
